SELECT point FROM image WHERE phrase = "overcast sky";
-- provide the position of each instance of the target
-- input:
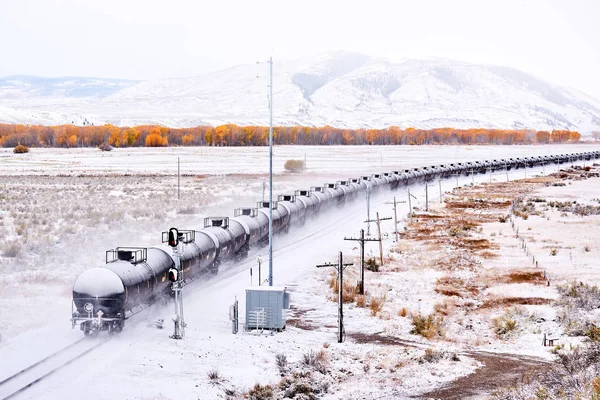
(553, 39)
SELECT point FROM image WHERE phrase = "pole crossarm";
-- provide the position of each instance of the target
(396, 202)
(336, 266)
(361, 240)
(380, 219)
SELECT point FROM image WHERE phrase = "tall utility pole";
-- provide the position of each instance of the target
(340, 269)
(378, 220)
(441, 194)
(368, 209)
(409, 202)
(395, 216)
(362, 241)
(270, 171)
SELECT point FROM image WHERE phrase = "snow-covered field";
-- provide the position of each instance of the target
(61, 209)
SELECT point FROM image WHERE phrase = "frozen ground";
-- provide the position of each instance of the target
(90, 205)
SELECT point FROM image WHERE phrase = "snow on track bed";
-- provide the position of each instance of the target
(18, 382)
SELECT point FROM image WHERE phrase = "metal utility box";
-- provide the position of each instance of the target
(265, 307)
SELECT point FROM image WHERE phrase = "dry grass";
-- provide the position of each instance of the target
(509, 301)
(533, 276)
(475, 244)
(487, 254)
(376, 305)
(349, 291)
(445, 308)
(403, 312)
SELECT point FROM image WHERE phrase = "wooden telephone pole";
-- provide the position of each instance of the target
(362, 241)
(340, 269)
(378, 220)
(395, 215)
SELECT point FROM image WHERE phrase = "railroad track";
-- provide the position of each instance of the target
(27, 377)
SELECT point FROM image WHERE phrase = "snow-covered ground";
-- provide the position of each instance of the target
(91, 202)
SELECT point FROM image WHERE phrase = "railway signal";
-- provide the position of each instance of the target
(173, 274)
(173, 237)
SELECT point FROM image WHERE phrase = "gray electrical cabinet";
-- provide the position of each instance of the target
(265, 307)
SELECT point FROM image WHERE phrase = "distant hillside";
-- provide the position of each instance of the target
(340, 89)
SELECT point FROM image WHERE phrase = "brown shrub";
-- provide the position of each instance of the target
(294, 165)
(20, 149)
(428, 327)
(403, 312)
(361, 301)
(376, 305)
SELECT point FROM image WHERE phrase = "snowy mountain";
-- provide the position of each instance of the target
(339, 89)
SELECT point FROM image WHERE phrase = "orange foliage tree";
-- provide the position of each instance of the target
(234, 135)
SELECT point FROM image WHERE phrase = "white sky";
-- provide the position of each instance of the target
(557, 40)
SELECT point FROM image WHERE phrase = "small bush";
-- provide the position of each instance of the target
(553, 252)
(504, 325)
(361, 301)
(376, 305)
(316, 360)
(20, 149)
(428, 327)
(214, 377)
(282, 363)
(403, 312)
(593, 333)
(431, 356)
(294, 165)
(503, 218)
(11, 250)
(371, 265)
(105, 147)
(260, 392)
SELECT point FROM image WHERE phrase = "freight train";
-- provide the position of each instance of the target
(134, 277)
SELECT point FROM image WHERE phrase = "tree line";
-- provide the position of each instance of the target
(12, 135)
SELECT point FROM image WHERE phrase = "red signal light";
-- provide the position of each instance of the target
(173, 274)
(173, 237)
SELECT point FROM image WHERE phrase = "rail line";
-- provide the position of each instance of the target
(29, 376)
(36, 372)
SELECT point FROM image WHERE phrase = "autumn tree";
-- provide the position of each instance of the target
(542, 137)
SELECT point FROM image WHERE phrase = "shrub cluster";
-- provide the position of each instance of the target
(427, 326)
(575, 376)
(294, 165)
(20, 149)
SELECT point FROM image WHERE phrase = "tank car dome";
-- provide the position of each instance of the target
(98, 282)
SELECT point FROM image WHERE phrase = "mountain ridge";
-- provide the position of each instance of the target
(346, 90)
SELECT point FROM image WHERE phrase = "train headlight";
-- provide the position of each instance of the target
(88, 307)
